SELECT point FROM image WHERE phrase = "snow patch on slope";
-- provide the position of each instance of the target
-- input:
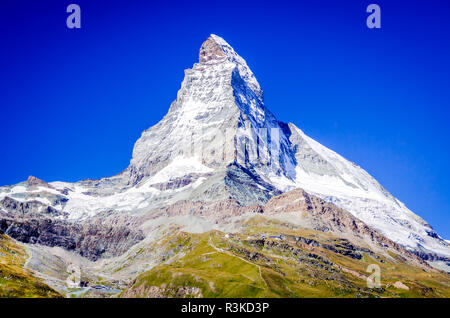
(178, 168)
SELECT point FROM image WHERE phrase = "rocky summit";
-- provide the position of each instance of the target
(221, 199)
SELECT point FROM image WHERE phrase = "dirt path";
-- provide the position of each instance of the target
(243, 259)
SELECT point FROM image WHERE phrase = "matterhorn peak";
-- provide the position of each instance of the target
(220, 96)
(212, 49)
(216, 49)
(219, 117)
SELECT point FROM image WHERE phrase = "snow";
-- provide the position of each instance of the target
(12, 192)
(178, 168)
(22, 194)
(81, 205)
(242, 66)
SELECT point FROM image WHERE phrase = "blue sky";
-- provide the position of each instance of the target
(73, 102)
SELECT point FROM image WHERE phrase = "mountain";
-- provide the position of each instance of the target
(219, 162)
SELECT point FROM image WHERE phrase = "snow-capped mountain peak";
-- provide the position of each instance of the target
(216, 49)
(220, 142)
(220, 97)
(218, 116)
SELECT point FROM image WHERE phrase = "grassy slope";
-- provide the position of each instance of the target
(15, 281)
(242, 266)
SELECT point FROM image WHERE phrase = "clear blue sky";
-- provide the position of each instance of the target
(73, 102)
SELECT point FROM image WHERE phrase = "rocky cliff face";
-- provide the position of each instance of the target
(92, 238)
(217, 143)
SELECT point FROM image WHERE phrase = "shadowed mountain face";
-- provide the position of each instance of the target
(216, 158)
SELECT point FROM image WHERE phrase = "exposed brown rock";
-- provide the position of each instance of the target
(33, 181)
(210, 50)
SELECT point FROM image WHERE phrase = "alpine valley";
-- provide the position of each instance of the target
(220, 200)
